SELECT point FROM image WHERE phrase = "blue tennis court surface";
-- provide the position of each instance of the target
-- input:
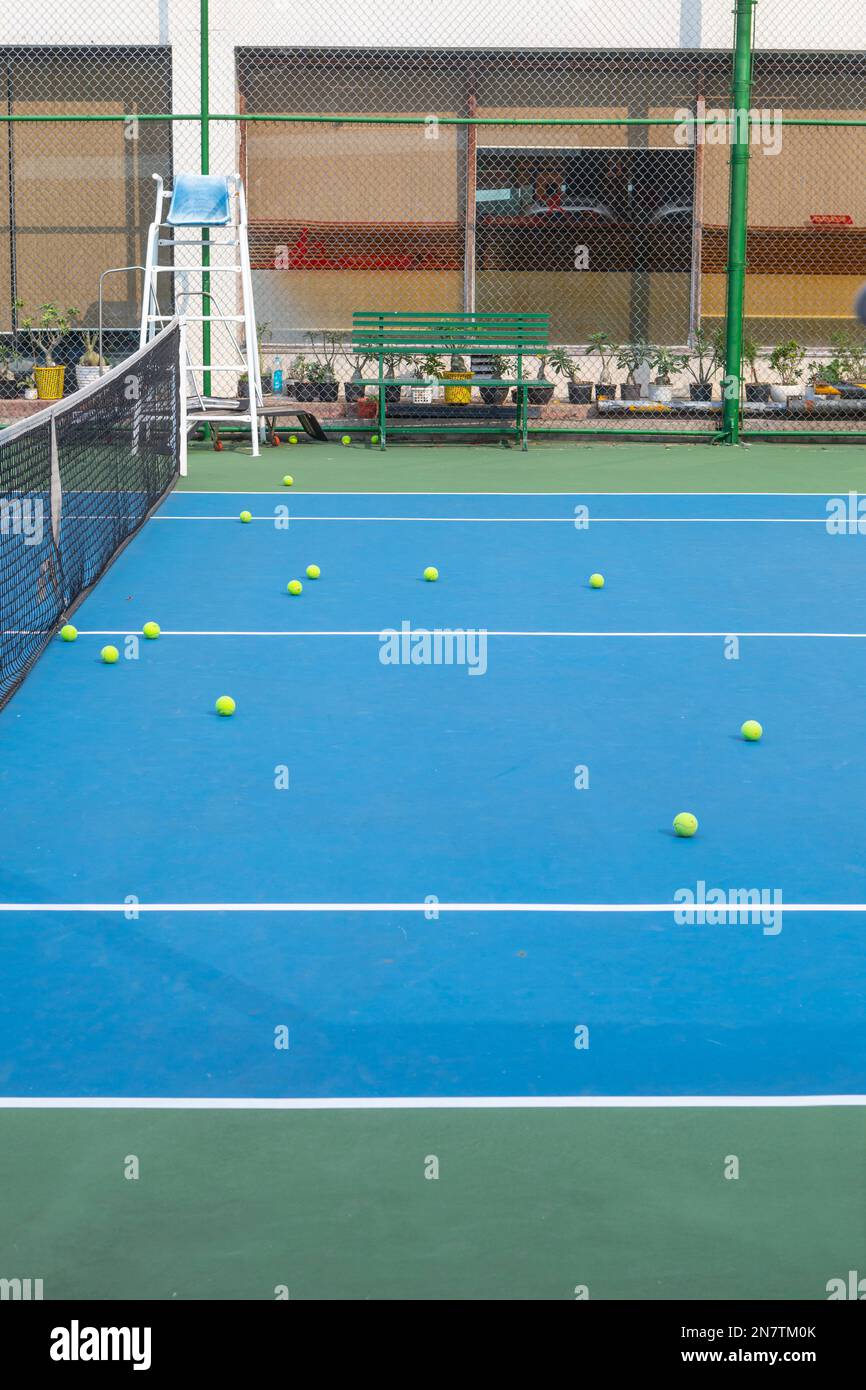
(465, 887)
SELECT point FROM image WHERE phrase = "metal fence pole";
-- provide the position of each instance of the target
(739, 135)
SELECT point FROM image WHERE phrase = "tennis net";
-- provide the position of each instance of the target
(76, 482)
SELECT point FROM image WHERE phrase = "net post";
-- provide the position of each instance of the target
(739, 136)
(182, 401)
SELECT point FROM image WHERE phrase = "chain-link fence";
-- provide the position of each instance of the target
(578, 162)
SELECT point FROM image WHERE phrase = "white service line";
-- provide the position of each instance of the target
(580, 909)
(535, 520)
(421, 1102)
(490, 632)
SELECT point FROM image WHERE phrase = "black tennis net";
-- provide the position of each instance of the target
(76, 483)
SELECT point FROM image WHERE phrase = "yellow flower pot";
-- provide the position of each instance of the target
(457, 395)
(49, 382)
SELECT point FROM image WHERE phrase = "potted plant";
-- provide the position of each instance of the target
(630, 358)
(354, 389)
(665, 363)
(45, 333)
(707, 354)
(424, 369)
(325, 385)
(787, 360)
(499, 367)
(602, 346)
(267, 378)
(323, 372)
(457, 395)
(367, 407)
(540, 395)
(392, 362)
(579, 392)
(27, 385)
(90, 365)
(8, 379)
(756, 391)
(850, 358)
(301, 386)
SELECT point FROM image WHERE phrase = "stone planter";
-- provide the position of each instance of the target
(660, 392)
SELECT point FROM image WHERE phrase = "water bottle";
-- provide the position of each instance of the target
(278, 376)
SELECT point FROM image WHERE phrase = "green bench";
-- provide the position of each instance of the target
(387, 335)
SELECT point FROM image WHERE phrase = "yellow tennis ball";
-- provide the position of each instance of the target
(347, 439)
(225, 705)
(751, 731)
(151, 630)
(685, 824)
(294, 586)
(288, 480)
(431, 573)
(596, 581)
(246, 516)
(374, 439)
(313, 572)
(109, 655)
(293, 439)
(68, 632)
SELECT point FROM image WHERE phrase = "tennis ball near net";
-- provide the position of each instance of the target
(246, 516)
(596, 581)
(151, 631)
(685, 824)
(751, 731)
(293, 439)
(68, 632)
(313, 572)
(431, 573)
(346, 439)
(225, 705)
(109, 655)
(294, 586)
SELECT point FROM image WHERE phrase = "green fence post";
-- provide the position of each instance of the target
(740, 134)
(204, 125)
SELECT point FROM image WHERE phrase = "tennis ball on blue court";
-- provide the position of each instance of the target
(246, 516)
(109, 655)
(151, 630)
(431, 573)
(288, 480)
(293, 439)
(685, 824)
(347, 439)
(68, 632)
(596, 581)
(225, 705)
(313, 572)
(751, 731)
(294, 586)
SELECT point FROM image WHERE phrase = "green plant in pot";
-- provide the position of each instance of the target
(426, 370)
(8, 379)
(630, 358)
(355, 387)
(326, 346)
(46, 330)
(500, 367)
(393, 362)
(579, 392)
(541, 394)
(299, 384)
(757, 391)
(27, 385)
(457, 371)
(787, 360)
(665, 364)
(850, 362)
(703, 364)
(825, 378)
(603, 347)
(90, 365)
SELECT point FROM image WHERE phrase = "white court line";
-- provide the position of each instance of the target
(575, 492)
(534, 520)
(579, 909)
(421, 1102)
(489, 632)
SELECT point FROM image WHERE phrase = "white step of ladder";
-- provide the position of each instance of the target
(209, 204)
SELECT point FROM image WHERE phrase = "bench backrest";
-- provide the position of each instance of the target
(387, 333)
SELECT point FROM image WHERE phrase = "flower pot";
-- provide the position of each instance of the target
(493, 395)
(757, 391)
(366, 408)
(457, 395)
(422, 395)
(605, 391)
(327, 391)
(85, 375)
(630, 391)
(661, 392)
(304, 390)
(580, 392)
(49, 382)
(782, 394)
(701, 391)
(539, 395)
(354, 391)
(30, 393)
